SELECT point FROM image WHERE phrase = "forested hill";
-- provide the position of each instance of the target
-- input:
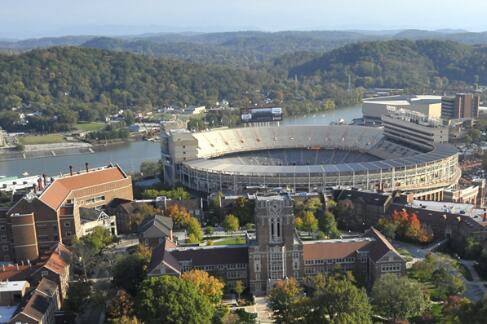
(68, 75)
(402, 64)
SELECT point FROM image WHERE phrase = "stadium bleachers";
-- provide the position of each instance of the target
(225, 141)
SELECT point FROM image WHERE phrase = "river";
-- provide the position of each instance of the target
(130, 155)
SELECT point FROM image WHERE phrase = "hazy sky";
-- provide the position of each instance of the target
(35, 18)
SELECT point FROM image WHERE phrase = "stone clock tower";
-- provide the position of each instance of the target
(277, 252)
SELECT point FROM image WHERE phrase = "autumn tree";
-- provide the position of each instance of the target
(285, 301)
(180, 215)
(208, 285)
(310, 223)
(194, 230)
(231, 223)
(122, 305)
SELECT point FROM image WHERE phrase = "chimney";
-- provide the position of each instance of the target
(17, 266)
(44, 178)
(39, 184)
(71, 170)
(86, 166)
(34, 188)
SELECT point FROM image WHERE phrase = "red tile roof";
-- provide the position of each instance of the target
(56, 192)
(333, 249)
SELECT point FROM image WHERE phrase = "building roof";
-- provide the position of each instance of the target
(163, 224)
(55, 194)
(370, 198)
(224, 254)
(160, 255)
(381, 245)
(333, 249)
(17, 272)
(58, 260)
(6, 286)
(47, 287)
(37, 306)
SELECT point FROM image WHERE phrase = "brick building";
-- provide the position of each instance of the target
(276, 252)
(50, 214)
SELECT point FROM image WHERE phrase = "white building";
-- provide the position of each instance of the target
(374, 108)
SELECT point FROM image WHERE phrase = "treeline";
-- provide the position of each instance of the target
(424, 64)
(58, 86)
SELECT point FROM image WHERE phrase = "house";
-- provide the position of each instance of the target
(55, 267)
(155, 229)
(40, 306)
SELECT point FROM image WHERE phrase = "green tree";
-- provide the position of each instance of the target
(239, 288)
(446, 283)
(398, 298)
(168, 299)
(99, 238)
(310, 223)
(231, 223)
(328, 225)
(150, 168)
(128, 272)
(78, 295)
(194, 230)
(286, 301)
(209, 230)
(339, 301)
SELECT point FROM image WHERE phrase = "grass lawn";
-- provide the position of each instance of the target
(41, 139)
(89, 127)
(230, 241)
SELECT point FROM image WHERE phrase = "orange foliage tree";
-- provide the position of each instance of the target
(179, 215)
(409, 227)
(208, 285)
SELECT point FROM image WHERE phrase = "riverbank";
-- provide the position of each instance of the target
(61, 149)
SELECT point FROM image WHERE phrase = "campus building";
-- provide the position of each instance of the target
(51, 213)
(374, 108)
(460, 106)
(276, 252)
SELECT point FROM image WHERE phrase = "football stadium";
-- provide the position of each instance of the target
(305, 158)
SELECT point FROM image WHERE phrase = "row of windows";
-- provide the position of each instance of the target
(391, 267)
(333, 261)
(214, 267)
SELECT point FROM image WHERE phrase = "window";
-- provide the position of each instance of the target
(68, 233)
(3, 237)
(5, 248)
(67, 224)
(391, 267)
(44, 273)
(2, 227)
